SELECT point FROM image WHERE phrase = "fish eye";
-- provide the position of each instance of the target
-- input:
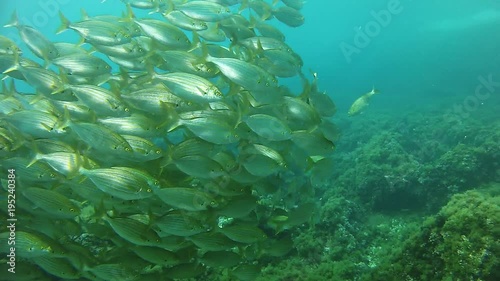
(127, 149)
(126, 109)
(158, 152)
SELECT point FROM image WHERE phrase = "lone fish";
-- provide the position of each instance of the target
(362, 102)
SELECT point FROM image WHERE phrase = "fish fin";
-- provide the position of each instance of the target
(38, 97)
(158, 9)
(260, 49)
(111, 104)
(234, 89)
(65, 23)
(14, 21)
(130, 13)
(172, 121)
(37, 154)
(47, 127)
(306, 87)
(196, 43)
(101, 79)
(85, 16)
(170, 7)
(267, 15)
(76, 171)
(239, 114)
(66, 120)
(12, 89)
(15, 66)
(243, 6)
(83, 178)
(8, 92)
(253, 21)
(205, 54)
(61, 88)
(100, 211)
(314, 85)
(152, 218)
(18, 135)
(81, 41)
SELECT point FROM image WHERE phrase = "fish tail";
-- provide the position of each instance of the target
(173, 120)
(15, 65)
(253, 21)
(66, 120)
(196, 43)
(65, 23)
(10, 90)
(14, 21)
(37, 157)
(130, 13)
(374, 91)
(243, 6)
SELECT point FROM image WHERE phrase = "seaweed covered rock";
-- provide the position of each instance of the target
(383, 174)
(460, 243)
(411, 164)
(331, 250)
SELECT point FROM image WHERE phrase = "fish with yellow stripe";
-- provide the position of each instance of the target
(362, 102)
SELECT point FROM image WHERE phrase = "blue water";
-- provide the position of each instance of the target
(428, 50)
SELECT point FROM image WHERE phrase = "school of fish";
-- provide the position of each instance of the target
(163, 145)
